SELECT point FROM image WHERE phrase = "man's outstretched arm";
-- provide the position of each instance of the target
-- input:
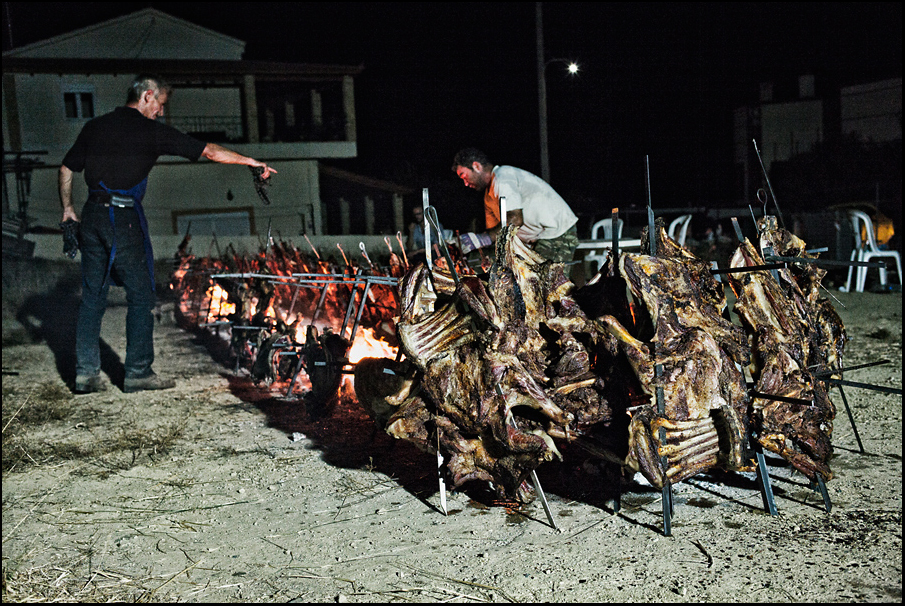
(222, 155)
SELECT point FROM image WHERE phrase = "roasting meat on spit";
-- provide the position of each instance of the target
(790, 329)
(497, 368)
(802, 283)
(705, 402)
(284, 309)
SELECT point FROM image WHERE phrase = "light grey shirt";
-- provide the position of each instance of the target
(545, 215)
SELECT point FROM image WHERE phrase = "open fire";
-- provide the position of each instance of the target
(290, 318)
(499, 370)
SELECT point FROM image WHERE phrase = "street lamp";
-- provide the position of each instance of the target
(542, 64)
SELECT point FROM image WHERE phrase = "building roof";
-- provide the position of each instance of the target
(187, 68)
(145, 34)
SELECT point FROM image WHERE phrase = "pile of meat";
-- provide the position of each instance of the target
(692, 358)
(496, 368)
(645, 359)
(795, 334)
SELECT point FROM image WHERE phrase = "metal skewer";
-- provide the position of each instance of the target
(827, 373)
(440, 476)
(851, 419)
(651, 234)
(534, 480)
(738, 270)
(316, 254)
(425, 202)
(769, 186)
(402, 248)
(343, 254)
(364, 253)
(880, 388)
(431, 215)
(825, 262)
(666, 492)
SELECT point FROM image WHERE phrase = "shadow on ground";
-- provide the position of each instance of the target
(51, 317)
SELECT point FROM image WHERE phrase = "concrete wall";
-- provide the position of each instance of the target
(873, 111)
(176, 185)
(50, 246)
(789, 129)
(41, 117)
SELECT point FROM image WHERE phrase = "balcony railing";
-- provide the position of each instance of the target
(211, 129)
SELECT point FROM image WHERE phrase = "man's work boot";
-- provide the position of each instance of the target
(152, 381)
(89, 384)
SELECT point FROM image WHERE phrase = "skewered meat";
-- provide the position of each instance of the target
(705, 403)
(799, 432)
(502, 364)
(801, 283)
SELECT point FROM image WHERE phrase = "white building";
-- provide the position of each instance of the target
(790, 125)
(288, 115)
(873, 112)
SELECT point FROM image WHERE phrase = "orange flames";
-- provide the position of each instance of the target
(367, 345)
(220, 305)
(255, 292)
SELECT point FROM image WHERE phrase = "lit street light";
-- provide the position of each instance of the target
(542, 64)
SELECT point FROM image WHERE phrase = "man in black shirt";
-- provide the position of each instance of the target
(117, 152)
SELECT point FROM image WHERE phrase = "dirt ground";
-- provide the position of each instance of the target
(218, 490)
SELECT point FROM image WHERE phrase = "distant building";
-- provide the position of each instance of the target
(790, 120)
(872, 112)
(288, 115)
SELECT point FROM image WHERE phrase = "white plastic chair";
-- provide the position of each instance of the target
(680, 224)
(867, 250)
(605, 226)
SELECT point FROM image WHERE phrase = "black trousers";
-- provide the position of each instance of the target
(98, 236)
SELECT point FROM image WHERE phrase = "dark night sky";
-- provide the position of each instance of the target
(657, 79)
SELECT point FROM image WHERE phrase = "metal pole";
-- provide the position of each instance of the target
(542, 93)
(425, 202)
(666, 492)
(769, 186)
(851, 419)
(651, 227)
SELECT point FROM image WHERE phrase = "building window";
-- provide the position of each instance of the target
(214, 222)
(78, 104)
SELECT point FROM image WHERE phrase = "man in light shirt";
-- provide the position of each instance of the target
(545, 220)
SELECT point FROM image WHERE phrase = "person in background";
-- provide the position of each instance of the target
(415, 242)
(117, 151)
(545, 220)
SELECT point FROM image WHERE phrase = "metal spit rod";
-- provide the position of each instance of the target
(827, 373)
(534, 480)
(651, 233)
(769, 186)
(880, 388)
(826, 262)
(666, 492)
(431, 215)
(425, 202)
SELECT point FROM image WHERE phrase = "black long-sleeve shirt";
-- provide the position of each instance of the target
(121, 148)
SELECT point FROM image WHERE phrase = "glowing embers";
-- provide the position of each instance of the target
(285, 327)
